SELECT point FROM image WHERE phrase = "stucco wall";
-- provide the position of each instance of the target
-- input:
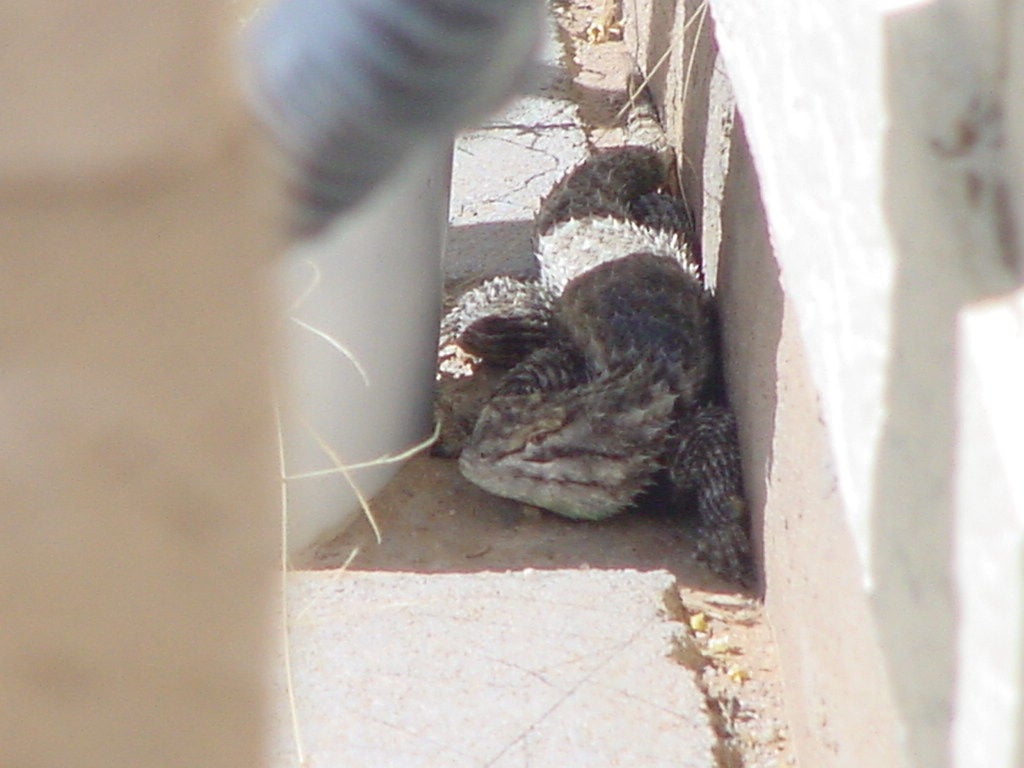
(881, 145)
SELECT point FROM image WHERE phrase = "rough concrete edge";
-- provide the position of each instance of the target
(686, 653)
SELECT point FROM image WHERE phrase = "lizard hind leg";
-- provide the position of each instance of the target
(707, 460)
(500, 321)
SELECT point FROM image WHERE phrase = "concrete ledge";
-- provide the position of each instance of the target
(540, 668)
(501, 169)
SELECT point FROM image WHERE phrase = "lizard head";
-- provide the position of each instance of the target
(583, 453)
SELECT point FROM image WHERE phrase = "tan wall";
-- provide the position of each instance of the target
(138, 479)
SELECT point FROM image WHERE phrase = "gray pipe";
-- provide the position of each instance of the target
(347, 88)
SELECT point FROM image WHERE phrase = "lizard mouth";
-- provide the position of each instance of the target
(565, 496)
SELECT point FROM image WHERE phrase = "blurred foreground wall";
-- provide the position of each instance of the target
(138, 476)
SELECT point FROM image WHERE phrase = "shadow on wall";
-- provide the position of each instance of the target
(750, 308)
(661, 22)
(505, 246)
(716, 162)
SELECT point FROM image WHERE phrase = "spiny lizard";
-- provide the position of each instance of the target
(612, 357)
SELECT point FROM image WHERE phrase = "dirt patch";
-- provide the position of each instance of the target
(434, 521)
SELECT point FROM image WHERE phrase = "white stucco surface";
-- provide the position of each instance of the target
(823, 199)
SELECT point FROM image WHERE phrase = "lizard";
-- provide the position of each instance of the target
(611, 358)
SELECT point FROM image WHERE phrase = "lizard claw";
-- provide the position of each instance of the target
(725, 549)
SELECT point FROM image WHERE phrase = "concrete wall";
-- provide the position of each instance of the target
(866, 196)
(138, 475)
(376, 399)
